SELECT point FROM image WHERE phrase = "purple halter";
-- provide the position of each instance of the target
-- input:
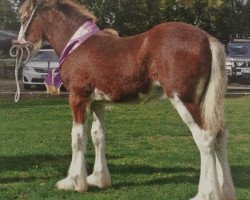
(53, 80)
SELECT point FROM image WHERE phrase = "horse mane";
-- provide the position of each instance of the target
(110, 31)
(74, 10)
(25, 7)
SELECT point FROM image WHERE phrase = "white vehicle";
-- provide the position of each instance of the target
(36, 69)
(238, 59)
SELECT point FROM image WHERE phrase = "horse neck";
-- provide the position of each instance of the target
(59, 31)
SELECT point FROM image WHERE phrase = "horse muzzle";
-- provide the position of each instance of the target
(22, 41)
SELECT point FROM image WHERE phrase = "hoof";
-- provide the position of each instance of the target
(71, 184)
(100, 180)
(201, 196)
(197, 198)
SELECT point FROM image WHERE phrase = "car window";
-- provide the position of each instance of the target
(239, 49)
(45, 56)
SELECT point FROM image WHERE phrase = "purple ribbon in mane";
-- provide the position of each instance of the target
(53, 81)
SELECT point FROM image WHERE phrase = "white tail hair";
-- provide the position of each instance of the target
(213, 103)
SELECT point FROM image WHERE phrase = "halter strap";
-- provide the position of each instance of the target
(30, 19)
(28, 24)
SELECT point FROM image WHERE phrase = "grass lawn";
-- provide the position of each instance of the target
(150, 152)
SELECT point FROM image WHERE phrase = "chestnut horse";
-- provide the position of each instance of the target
(186, 62)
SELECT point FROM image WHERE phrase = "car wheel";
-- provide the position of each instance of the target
(27, 86)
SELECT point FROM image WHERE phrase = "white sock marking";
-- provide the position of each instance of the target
(101, 176)
(77, 174)
(208, 186)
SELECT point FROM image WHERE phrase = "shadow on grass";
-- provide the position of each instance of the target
(175, 179)
(29, 162)
(61, 163)
(22, 179)
(241, 175)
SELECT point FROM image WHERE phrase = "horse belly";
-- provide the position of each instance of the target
(154, 92)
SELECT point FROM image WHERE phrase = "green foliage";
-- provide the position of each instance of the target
(234, 17)
(150, 152)
(218, 17)
(8, 18)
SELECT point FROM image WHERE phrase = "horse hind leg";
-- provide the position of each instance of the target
(208, 184)
(100, 176)
(213, 116)
(223, 169)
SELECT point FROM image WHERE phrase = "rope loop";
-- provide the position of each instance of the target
(16, 52)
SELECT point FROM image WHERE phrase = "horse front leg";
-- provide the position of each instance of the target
(101, 176)
(77, 173)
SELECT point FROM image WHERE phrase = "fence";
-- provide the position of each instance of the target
(7, 69)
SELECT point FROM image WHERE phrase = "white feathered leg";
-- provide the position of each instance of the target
(208, 185)
(223, 170)
(101, 176)
(77, 174)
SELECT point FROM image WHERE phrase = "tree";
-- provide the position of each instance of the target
(127, 16)
(218, 17)
(8, 17)
(105, 10)
(232, 19)
(246, 18)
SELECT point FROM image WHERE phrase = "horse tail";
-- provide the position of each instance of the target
(213, 102)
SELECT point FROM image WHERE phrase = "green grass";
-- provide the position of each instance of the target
(150, 152)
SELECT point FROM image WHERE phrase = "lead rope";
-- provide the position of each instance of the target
(16, 52)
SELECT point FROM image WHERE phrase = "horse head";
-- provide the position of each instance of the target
(32, 26)
(39, 17)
